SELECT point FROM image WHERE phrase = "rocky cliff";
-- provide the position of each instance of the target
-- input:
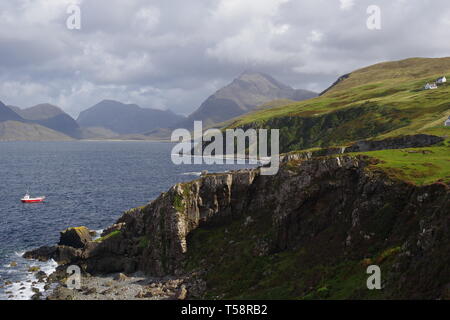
(308, 232)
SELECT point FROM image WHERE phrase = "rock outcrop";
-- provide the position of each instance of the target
(75, 237)
(413, 141)
(329, 211)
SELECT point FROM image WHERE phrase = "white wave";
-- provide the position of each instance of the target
(20, 253)
(49, 267)
(98, 234)
(22, 288)
(198, 174)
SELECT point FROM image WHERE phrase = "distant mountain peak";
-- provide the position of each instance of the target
(41, 111)
(111, 101)
(260, 79)
(7, 114)
(249, 73)
(49, 116)
(245, 93)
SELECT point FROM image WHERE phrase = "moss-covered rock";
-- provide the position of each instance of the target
(75, 237)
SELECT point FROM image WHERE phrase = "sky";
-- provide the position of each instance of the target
(173, 54)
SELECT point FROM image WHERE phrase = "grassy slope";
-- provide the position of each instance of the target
(390, 92)
(380, 101)
(420, 166)
(391, 85)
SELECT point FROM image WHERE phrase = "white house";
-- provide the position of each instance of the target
(447, 122)
(430, 86)
(441, 80)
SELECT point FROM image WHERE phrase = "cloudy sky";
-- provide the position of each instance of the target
(172, 54)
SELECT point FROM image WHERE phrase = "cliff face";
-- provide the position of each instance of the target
(154, 238)
(310, 231)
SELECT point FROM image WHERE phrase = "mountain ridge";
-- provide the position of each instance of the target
(126, 118)
(15, 128)
(52, 117)
(7, 114)
(244, 94)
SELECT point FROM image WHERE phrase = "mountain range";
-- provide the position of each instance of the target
(112, 119)
(52, 117)
(107, 119)
(15, 127)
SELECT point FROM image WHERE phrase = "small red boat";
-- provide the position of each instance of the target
(28, 199)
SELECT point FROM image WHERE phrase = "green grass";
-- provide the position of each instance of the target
(414, 104)
(374, 103)
(235, 272)
(144, 242)
(178, 203)
(420, 166)
(395, 71)
(377, 102)
(109, 236)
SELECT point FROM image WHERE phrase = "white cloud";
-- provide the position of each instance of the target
(315, 36)
(149, 53)
(254, 33)
(147, 18)
(347, 4)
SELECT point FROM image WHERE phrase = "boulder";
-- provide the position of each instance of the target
(67, 255)
(61, 293)
(121, 277)
(41, 276)
(182, 293)
(75, 237)
(36, 296)
(42, 254)
(33, 269)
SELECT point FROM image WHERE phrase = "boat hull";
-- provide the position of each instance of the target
(32, 200)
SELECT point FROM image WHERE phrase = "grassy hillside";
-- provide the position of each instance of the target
(20, 131)
(394, 71)
(420, 166)
(375, 102)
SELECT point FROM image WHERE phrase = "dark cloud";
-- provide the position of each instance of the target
(173, 54)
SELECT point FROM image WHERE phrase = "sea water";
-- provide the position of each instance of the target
(86, 183)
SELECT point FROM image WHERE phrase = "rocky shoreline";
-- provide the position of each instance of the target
(117, 286)
(122, 287)
(111, 286)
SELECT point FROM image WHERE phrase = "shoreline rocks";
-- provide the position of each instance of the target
(76, 237)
